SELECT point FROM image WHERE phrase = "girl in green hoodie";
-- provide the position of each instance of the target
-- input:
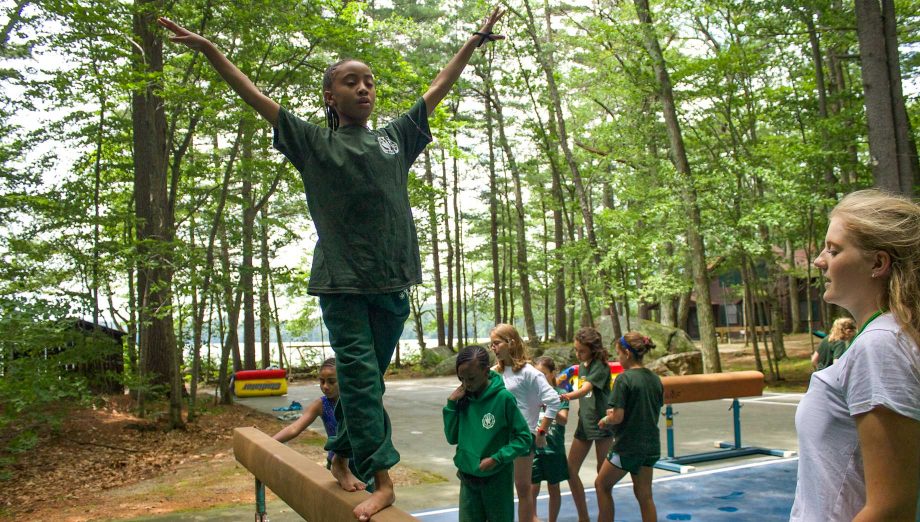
(482, 418)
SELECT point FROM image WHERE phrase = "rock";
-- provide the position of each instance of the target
(687, 363)
(446, 367)
(431, 357)
(564, 356)
(667, 339)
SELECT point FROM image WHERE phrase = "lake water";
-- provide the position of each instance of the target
(313, 353)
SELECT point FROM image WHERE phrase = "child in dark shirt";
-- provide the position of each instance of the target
(367, 254)
(635, 406)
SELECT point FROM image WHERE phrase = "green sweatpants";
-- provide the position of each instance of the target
(488, 499)
(364, 330)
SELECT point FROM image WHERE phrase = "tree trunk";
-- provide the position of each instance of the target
(97, 175)
(153, 210)
(710, 351)
(280, 341)
(246, 267)
(132, 303)
(818, 63)
(544, 56)
(523, 270)
(668, 310)
(458, 250)
(493, 219)
(196, 325)
(766, 308)
(548, 145)
(683, 309)
(231, 345)
(435, 245)
(837, 85)
(450, 260)
(891, 146)
(792, 280)
(749, 311)
(570, 304)
(265, 314)
(416, 310)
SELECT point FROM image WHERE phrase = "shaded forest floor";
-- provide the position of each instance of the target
(105, 463)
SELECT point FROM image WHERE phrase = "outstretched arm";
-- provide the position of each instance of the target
(583, 390)
(314, 410)
(238, 81)
(451, 72)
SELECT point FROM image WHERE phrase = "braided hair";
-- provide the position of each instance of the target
(472, 353)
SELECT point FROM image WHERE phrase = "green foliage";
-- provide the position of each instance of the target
(767, 160)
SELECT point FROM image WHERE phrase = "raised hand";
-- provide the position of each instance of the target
(489, 23)
(458, 394)
(183, 36)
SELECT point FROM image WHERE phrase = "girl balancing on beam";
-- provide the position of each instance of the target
(367, 254)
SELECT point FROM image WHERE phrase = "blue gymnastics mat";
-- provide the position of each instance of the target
(760, 491)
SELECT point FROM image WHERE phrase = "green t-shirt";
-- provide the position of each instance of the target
(555, 435)
(593, 406)
(828, 351)
(356, 181)
(639, 393)
(840, 347)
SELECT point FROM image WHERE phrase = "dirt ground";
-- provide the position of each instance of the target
(105, 463)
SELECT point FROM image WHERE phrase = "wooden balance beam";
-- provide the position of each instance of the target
(305, 486)
(713, 386)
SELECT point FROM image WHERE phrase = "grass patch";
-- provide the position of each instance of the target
(425, 477)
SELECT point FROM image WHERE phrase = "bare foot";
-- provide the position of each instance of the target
(344, 476)
(382, 497)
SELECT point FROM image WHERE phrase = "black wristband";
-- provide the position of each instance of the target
(483, 37)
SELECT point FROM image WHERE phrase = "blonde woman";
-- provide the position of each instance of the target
(532, 391)
(859, 424)
(835, 344)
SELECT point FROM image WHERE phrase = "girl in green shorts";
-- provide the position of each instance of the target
(592, 395)
(549, 462)
(635, 406)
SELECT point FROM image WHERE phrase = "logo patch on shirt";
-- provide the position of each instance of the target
(387, 145)
(488, 421)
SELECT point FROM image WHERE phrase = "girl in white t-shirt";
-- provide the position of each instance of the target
(859, 424)
(532, 391)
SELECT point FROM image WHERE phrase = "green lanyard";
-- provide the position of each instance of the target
(865, 324)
